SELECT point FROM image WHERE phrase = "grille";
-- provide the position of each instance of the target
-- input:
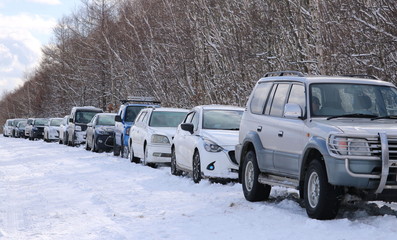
(232, 157)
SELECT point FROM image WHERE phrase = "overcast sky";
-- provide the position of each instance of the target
(25, 26)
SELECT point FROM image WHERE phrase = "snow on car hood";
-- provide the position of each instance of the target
(360, 126)
(221, 137)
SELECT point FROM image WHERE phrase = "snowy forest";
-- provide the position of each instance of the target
(191, 52)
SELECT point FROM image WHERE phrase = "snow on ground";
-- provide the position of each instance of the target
(50, 191)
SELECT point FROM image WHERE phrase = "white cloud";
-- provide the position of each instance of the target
(20, 46)
(50, 2)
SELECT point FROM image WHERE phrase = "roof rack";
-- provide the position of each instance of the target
(135, 99)
(283, 73)
(361, 76)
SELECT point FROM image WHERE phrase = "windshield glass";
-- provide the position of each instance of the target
(21, 124)
(56, 122)
(222, 119)
(84, 117)
(166, 119)
(131, 113)
(334, 99)
(40, 122)
(106, 120)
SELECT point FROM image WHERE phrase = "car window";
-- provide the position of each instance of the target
(132, 112)
(84, 116)
(166, 119)
(277, 106)
(55, 122)
(189, 117)
(222, 119)
(195, 121)
(106, 120)
(259, 97)
(297, 96)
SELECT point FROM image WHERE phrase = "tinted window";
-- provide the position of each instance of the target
(222, 119)
(277, 107)
(84, 116)
(56, 122)
(166, 119)
(132, 112)
(297, 96)
(107, 120)
(259, 97)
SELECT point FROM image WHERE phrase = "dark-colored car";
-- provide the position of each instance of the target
(37, 128)
(100, 132)
(20, 129)
(14, 126)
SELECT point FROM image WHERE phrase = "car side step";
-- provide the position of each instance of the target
(277, 180)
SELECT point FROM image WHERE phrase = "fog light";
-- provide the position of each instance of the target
(211, 166)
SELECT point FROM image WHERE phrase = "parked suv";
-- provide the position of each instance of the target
(325, 136)
(125, 119)
(79, 117)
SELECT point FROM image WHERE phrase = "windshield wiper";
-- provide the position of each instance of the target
(385, 117)
(354, 115)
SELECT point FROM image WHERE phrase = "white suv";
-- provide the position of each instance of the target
(151, 135)
(326, 136)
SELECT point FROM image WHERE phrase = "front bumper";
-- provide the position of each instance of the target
(218, 164)
(104, 142)
(37, 134)
(79, 137)
(159, 153)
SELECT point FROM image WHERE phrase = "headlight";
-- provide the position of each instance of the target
(210, 146)
(77, 128)
(101, 132)
(156, 138)
(349, 146)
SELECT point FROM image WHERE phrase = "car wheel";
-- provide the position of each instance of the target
(196, 168)
(253, 190)
(132, 158)
(145, 157)
(93, 146)
(320, 197)
(87, 147)
(116, 149)
(174, 170)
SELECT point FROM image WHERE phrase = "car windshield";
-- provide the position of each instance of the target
(56, 122)
(335, 100)
(166, 119)
(106, 120)
(84, 116)
(21, 124)
(222, 119)
(40, 122)
(132, 112)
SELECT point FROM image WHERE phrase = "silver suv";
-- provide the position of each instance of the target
(325, 136)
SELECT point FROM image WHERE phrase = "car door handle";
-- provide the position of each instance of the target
(280, 133)
(259, 129)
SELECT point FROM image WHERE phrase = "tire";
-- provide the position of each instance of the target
(94, 147)
(124, 150)
(253, 190)
(86, 147)
(174, 169)
(116, 149)
(132, 158)
(196, 168)
(320, 197)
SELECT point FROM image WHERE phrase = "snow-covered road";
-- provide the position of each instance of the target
(50, 191)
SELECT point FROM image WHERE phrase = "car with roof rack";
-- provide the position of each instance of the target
(125, 119)
(327, 136)
(152, 134)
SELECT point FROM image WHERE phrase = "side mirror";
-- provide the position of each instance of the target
(117, 118)
(292, 110)
(71, 120)
(188, 127)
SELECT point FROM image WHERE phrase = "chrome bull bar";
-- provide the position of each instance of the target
(386, 164)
